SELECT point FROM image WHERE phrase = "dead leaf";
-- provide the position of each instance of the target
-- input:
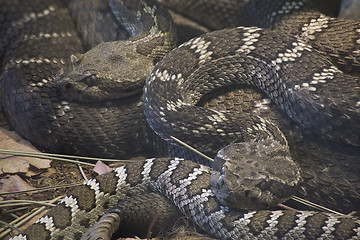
(101, 168)
(9, 140)
(14, 183)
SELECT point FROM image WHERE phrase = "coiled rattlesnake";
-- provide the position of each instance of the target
(312, 112)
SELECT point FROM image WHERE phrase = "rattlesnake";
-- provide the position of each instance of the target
(334, 118)
(188, 186)
(348, 136)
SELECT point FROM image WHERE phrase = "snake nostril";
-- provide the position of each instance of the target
(68, 86)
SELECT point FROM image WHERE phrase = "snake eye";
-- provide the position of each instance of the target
(90, 80)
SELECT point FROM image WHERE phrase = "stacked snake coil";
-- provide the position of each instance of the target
(66, 101)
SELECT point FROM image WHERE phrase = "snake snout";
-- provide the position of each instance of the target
(246, 175)
(71, 91)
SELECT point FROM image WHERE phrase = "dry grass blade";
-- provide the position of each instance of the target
(315, 206)
(61, 157)
(11, 203)
(65, 158)
(42, 189)
(26, 217)
(191, 148)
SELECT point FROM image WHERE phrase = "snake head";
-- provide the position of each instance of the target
(254, 175)
(109, 71)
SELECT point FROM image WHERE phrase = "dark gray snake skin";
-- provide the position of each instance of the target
(45, 117)
(315, 92)
(249, 60)
(204, 51)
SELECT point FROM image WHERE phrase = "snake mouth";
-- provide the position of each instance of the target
(71, 91)
(87, 90)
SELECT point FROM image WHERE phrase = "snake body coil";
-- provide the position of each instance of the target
(76, 109)
(176, 178)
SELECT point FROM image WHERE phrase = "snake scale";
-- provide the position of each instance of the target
(333, 118)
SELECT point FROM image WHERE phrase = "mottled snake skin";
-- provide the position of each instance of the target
(308, 95)
(175, 178)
